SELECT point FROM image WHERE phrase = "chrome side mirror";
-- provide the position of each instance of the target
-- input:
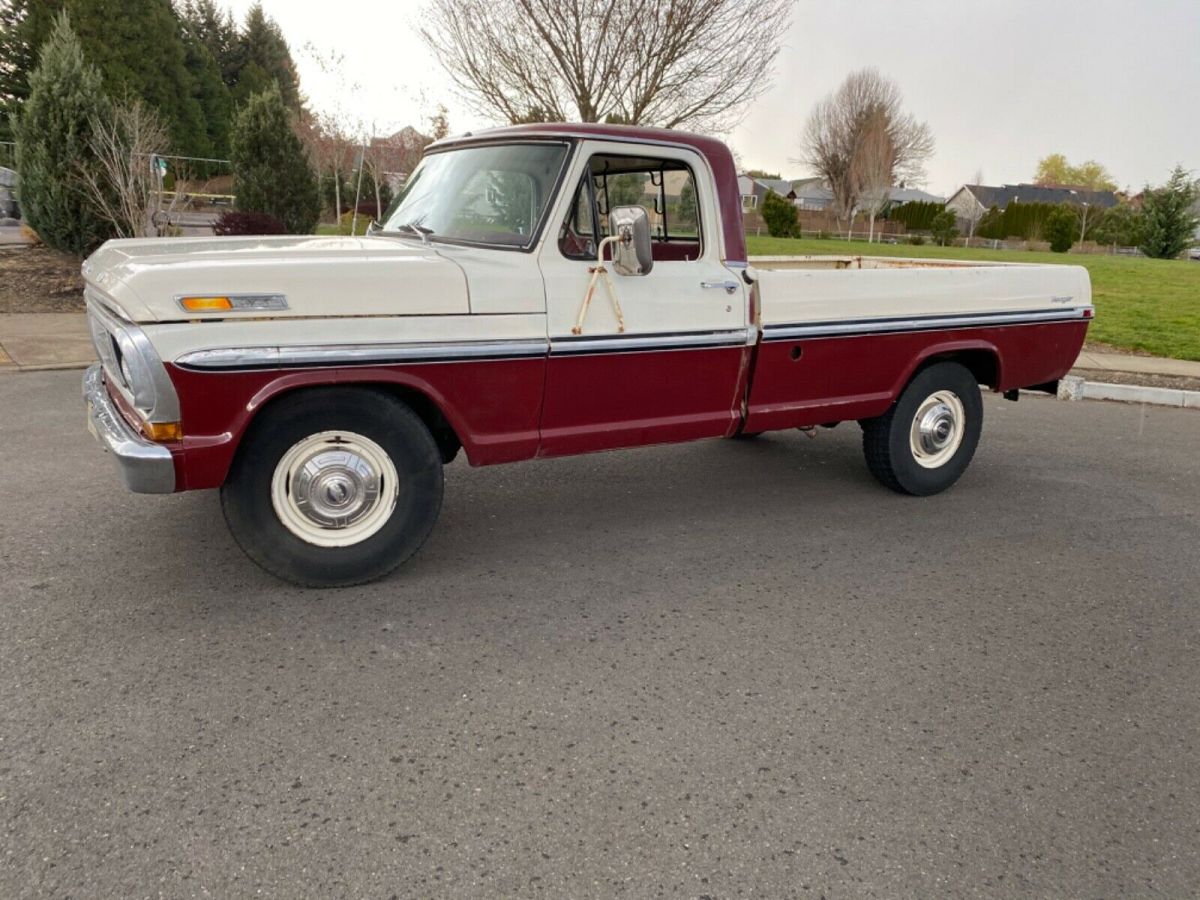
(631, 251)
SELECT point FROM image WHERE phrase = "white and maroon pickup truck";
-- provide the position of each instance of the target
(534, 291)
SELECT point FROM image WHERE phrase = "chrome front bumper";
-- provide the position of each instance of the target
(146, 467)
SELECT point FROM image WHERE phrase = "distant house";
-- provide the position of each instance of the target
(754, 189)
(811, 193)
(971, 201)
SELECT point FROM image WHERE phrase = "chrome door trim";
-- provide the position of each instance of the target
(632, 343)
(332, 355)
(851, 327)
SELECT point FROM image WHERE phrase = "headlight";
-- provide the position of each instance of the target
(125, 373)
(133, 365)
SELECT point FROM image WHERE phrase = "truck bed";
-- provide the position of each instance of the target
(802, 290)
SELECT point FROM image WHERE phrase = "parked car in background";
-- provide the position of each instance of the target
(322, 383)
(9, 207)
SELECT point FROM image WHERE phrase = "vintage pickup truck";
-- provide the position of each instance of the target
(534, 291)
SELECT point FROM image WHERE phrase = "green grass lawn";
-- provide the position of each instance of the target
(1151, 305)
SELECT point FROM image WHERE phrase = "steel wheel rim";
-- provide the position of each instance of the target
(334, 488)
(937, 429)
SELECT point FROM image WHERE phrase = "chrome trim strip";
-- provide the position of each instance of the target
(924, 323)
(283, 357)
(257, 302)
(152, 392)
(630, 343)
(146, 467)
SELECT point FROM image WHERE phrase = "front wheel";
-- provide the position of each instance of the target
(925, 442)
(334, 487)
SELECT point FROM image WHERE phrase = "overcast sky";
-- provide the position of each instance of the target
(1001, 83)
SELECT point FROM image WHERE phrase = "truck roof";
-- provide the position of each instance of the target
(717, 154)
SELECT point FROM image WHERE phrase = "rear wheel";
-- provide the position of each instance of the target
(334, 487)
(925, 442)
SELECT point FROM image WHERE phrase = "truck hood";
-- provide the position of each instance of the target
(319, 276)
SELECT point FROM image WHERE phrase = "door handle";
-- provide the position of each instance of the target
(730, 286)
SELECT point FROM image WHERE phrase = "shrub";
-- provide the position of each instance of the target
(916, 215)
(54, 135)
(1025, 221)
(271, 172)
(1121, 225)
(234, 222)
(347, 219)
(944, 227)
(1060, 229)
(781, 215)
(916, 240)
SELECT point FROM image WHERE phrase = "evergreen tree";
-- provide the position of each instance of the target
(53, 134)
(206, 22)
(24, 26)
(1168, 217)
(140, 53)
(944, 227)
(138, 50)
(1061, 227)
(271, 171)
(781, 216)
(263, 58)
(209, 92)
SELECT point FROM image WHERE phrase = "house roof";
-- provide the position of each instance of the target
(779, 185)
(811, 189)
(912, 195)
(1001, 196)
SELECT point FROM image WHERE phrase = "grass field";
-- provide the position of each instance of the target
(1152, 305)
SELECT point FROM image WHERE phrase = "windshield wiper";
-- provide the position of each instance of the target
(414, 228)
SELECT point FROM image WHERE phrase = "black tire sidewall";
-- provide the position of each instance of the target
(911, 475)
(246, 495)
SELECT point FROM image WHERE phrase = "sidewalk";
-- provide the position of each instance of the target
(31, 341)
(1143, 365)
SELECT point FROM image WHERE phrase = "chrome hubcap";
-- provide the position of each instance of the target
(937, 429)
(334, 489)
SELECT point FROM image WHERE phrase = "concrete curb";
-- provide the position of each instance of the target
(1075, 388)
(13, 368)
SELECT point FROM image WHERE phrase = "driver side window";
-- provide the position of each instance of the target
(665, 188)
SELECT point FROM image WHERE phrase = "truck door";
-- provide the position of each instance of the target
(672, 374)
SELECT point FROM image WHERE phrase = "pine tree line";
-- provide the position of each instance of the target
(190, 62)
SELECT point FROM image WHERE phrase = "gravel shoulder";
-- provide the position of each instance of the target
(39, 280)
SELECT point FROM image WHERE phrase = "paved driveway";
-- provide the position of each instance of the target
(724, 669)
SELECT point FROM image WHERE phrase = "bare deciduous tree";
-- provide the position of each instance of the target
(331, 134)
(974, 213)
(672, 63)
(836, 130)
(873, 167)
(123, 187)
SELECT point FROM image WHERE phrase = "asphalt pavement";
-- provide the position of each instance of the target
(715, 670)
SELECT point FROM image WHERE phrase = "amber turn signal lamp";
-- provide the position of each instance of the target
(205, 304)
(163, 431)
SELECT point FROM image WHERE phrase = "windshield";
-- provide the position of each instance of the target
(494, 194)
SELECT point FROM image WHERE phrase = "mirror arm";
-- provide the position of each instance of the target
(601, 271)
